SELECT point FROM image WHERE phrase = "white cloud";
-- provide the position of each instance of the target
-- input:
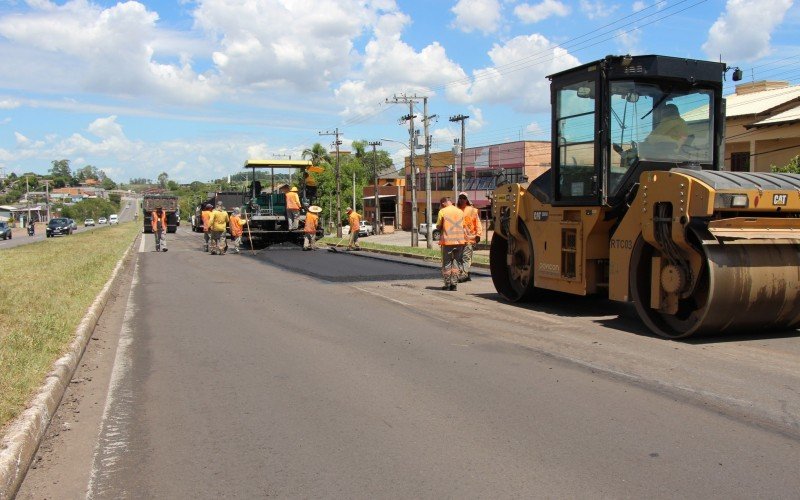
(9, 103)
(106, 128)
(539, 12)
(743, 31)
(385, 68)
(476, 121)
(301, 45)
(638, 5)
(537, 131)
(597, 9)
(477, 15)
(111, 50)
(522, 86)
(628, 41)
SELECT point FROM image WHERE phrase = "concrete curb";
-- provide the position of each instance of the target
(411, 256)
(25, 433)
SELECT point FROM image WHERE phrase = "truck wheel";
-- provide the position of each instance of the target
(512, 272)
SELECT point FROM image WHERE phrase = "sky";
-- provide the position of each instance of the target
(195, 88)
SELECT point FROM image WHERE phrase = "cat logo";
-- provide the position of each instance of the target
(779, 199)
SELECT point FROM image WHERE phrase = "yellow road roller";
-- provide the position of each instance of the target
(636, 205)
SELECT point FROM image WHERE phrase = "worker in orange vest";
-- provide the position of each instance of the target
(453, 237)
(310, 228)
(158, 223)
(236, 224)
(472, 231)
(354, 219)
(204, 216)
(292, 208)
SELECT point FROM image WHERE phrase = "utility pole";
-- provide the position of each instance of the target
(428, 202)
(410, 100)
(461, 118)
(375, 182)
(354, 190)
(337, 142)
(47, 196)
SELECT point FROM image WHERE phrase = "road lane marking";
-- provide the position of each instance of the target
(141, 244)
(381, 296)
(113, 439)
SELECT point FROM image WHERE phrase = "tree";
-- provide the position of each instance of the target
(108, 184)
(317, 154)
(61, 173)
(163, 177)
(793, 167)
(172, 185)
(86, 173)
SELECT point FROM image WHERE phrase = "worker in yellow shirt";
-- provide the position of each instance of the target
(293, 207)
(310, 228)
(355, 221)
(472, 233)
(451, 225)
(218, 223)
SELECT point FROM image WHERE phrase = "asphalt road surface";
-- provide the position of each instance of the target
(126, 214)
(314, 374)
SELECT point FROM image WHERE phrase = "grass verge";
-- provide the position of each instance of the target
(426, 253)
(46, 289)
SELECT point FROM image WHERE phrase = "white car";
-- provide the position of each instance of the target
(102, 220)
(423, 230)
(88, 222)
(365, 229)
(113, 219)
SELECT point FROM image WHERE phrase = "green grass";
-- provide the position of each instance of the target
(46, 290)
(426, 253)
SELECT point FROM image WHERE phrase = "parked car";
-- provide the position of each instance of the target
(5, 230)
(73, 224)
(423, 230)
(365, 229)
(59, 225)
(113, 219)
(88, 222)
(102, 220)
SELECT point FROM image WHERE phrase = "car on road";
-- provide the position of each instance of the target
(73, 224)
(365, 229)
(5, 230)
(88, 222)
(113, 219)
(59, 225)
(101, 220)
(423, 230)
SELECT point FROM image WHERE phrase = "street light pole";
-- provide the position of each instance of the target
(375, 180)
(462, 118)
(428, 201)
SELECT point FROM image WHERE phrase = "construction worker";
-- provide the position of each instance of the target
(452, 240)
(472, 232)
(355, 221)
(205, 214)
(293, 207)
(310, 229)
(236, 224)
(218, 222)
(158, 223)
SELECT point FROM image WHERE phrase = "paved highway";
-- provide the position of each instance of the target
(310, 374)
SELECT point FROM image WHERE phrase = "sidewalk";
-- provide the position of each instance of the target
(403, 239)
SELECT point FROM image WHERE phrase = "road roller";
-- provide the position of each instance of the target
(636, 205)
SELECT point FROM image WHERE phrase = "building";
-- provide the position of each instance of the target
(74, 194)
(391, 188)
(762, 126)
(484, 166)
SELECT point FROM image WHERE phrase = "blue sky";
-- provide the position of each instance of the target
(194, 88)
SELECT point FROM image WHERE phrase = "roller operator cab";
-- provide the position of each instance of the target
(636, 206)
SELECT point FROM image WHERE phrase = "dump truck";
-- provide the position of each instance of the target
(637, 207)
(265, 208)
(168, 202)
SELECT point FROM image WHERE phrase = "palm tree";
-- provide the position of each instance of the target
(317, 154)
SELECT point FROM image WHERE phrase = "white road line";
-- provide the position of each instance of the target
(141, 244)
(112, 441)
(381, 296)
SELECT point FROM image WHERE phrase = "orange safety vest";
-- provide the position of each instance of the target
(236, 225)
(311, 223)
(354, 219)
(154, 221)
(205, 214)
(472, 223)
(451, 222)
(292, 201)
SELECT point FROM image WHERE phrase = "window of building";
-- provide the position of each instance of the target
(740, 162)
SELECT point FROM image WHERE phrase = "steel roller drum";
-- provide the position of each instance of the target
(751, 285)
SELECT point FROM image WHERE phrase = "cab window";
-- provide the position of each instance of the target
(575, 122)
